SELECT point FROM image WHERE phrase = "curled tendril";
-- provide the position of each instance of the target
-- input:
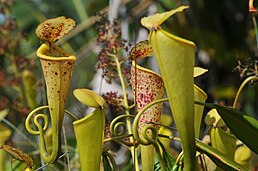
(145, 139)
(117, 131)
(251, 78)
(53, 156)
(154, 135)
(119, 128)
(35, 120)
(38, 117)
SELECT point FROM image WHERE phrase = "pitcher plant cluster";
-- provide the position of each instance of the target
(137, 124)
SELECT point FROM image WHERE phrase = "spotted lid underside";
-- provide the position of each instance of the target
(53, 29)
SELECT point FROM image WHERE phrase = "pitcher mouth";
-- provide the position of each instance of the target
(50, 51)
(204, 95)
(145, 69)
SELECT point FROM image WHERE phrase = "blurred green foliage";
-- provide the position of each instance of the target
(223, 31)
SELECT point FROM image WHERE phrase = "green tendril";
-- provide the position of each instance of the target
(241, 88)
(72, 115)
(146, 140)
(119, 128)
(37, 121)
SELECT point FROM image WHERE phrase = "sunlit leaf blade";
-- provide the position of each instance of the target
(157, 166)
(242, 125)
(154, 21)
(89, 133)
(175, 58)
(53, 29)
(141, 50)
(89, 98)
(219, 158)
(176, 168)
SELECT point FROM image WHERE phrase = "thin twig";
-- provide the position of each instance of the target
(42, 167)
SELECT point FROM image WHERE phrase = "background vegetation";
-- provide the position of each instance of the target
(223, 31)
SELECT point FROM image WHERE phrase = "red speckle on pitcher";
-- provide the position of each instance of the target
(147, 88)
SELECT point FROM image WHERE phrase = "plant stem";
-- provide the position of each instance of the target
(127, 108)
(66, 148)
(241, 88)
(161, 161)
(80, 9)
(72, 115)
(255, 29)
(117, 138)
(179, 159)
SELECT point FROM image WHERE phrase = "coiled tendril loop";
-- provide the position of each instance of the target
(36, 120)
(146, 139)
(119, 128)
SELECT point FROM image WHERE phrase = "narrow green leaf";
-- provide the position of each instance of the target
(219, 158)
(242, 125)
(169, 160)
(157, 165)
(175, 168)
(106, 164)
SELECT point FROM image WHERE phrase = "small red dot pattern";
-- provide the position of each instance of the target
(147, 87)
(141, 50)
(52, 30)
(57, 74)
